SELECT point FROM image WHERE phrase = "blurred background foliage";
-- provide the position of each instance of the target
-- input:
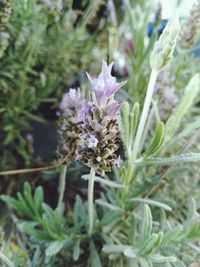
(46, 46)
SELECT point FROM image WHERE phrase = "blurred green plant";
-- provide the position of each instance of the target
(40, 58)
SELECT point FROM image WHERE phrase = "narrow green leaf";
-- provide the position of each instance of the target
(156, 141)
(169, 126)
(13, 203)
(130, 120)
(109, 249)
(108, 218)
(162, 259)
(94, 257)
(107, 205)
(133, 225)
(182, 158)
(54, 248)
(159, 240)
(143, 262)
(125, 119)
(192, 208)
(38, 198)
(171, 235)
(151, 202)
(104, 181)
(130, 252)
(26, 209)
(133, 121)
(76, 250)
(40, 235)
(146, 225)
(185, 104)
(49, 227)
(28, 198)
(148, 245)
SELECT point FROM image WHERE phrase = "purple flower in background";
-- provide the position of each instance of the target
(105, 85)
(72, 111)
(73, 100)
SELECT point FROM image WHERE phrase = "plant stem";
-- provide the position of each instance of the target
(90, 201)
(20, 171)
(62, 182)
(6, 260)
(140, 131)
(145, 113)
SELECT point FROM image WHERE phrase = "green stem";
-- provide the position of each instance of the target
(90, 201)
(145, 113)
(6, 260)
(62, 183)
(139, 134)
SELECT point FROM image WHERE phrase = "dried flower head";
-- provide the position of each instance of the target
(72, 110)
(188, 34)
(100, 136)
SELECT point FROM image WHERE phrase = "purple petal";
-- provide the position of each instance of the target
(113, 109)
(100, 97)
(113, 88)
(106, 71)
(82, 112)
(90, 78)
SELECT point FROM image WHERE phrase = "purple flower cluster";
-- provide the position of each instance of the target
(91, 130)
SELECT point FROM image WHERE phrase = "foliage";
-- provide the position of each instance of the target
(145, 213)
(39, 59)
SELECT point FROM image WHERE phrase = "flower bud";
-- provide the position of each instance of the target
(164, 47)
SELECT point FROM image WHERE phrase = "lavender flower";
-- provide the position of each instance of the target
(71, 105)
(99, 137)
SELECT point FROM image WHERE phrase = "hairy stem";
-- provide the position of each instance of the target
(62, 183)
(90, 201)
